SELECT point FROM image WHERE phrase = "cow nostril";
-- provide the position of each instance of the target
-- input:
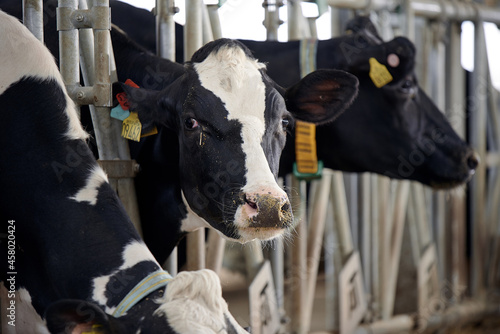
(473, 160)
(285, 208)
(252, 204)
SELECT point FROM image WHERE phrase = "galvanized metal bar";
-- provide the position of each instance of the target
(272, 18)
(455, 102)
(478, 142)
(366, 228)
(319, 206)
(207, 27)
(451, 10)
(215, 251)
(213, 16)
(333, 265)
(165, 29)
(193, 40)
(68, 45)
(298, 270)
(165, 48)
(33, 17)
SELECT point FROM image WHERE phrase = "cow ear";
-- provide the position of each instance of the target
(76, 317)
(321, 96)
(149, 105)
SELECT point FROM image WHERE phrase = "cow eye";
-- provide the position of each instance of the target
(191, 123)
(407, 84)
(284, 123)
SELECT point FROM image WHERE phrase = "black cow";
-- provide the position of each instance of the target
(394, 130)
(222, 126)
(74, 262)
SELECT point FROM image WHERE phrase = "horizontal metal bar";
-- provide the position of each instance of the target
(119, 169)
(456, 11)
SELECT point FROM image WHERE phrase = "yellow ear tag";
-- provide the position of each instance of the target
(96, 329)
(131, 128)
(379, 73)
(305, 147)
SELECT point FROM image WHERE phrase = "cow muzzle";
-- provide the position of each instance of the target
(264, 215)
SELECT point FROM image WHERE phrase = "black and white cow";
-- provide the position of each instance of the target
(395, 130)
(73, 260)
(221, 128)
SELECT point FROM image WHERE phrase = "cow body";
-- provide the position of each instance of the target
(76, 255)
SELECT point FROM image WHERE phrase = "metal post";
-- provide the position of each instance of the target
(478, 141)
(272, 18)
(165, 47)
(193, 40)
(298, 270)
(165, 29)
(33, 17)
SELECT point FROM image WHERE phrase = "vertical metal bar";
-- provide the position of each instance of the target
(215, 251)
(314, 240)
(193, 40)
(33, 17)
(478, 141)
(165, 48)
(366, 228)
(298, 270)
(272, 18)
(68, 44)
(207, 27)
(213, 15)
(165, 29)
(455, 104)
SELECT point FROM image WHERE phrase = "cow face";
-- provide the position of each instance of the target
(231, 121)
(411, 138)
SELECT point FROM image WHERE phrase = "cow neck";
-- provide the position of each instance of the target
(155, 280)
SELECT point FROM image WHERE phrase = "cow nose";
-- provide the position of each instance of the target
(472, 160)
(268, 210)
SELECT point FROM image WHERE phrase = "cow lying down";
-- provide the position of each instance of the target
(76, 264)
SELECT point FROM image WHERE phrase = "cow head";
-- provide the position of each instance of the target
(231, 121)
(411, 138)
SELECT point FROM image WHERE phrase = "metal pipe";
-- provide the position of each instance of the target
(206, 25)
(165, 48)
(193, 40)
(272, 18)
(452, 10)
(213, 16)
(165, 29)
(478, 142)
(33, 17)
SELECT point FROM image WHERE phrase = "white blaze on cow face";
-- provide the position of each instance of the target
(132, 254)
(237, 81)
(22, 55)
(91, 190)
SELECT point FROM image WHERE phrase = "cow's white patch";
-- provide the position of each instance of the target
(193, 303)
(27, 320)
(21, 54)
(132, 254)
(237, 81)
(90, 191)
(192, 222)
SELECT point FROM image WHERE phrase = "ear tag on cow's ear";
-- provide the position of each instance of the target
(132, 127)
(379, 73)
(307, 166)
